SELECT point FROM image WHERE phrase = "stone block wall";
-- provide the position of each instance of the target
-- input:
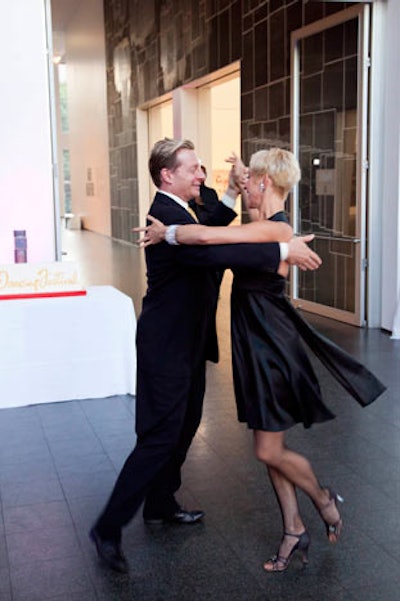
(157, 45)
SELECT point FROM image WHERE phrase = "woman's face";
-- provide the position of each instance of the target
(255, 190)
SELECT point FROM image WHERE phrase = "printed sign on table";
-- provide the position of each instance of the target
(30, 280)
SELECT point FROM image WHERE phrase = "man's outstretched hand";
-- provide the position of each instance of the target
(301, 255)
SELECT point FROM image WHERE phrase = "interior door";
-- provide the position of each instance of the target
(330, 102)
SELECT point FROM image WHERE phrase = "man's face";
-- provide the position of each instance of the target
(185, 180)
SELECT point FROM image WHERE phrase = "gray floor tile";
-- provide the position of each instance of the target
(21, 471)
(87, 485)
(4, 559)
(42, 580)
(28, 546)
(33, 517)
(5, 585)
(31, 491)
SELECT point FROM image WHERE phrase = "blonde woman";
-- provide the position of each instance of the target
(275, 384)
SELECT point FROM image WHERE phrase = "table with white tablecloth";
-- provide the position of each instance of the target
(66, 348)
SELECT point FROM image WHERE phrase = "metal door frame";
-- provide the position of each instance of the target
(360, 239)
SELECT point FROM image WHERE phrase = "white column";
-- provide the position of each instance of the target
(396, 319)
(185, 114)
(391, 169)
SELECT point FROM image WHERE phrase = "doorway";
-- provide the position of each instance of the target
(218, 115)
(330, 68)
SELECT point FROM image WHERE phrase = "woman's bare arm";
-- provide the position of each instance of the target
(299, 252)
(256, 231)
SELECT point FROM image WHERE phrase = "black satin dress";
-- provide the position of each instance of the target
(275, 383)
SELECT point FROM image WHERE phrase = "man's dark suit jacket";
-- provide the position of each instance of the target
(176, 328)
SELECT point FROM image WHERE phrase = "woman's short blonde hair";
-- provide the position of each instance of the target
(279, 164)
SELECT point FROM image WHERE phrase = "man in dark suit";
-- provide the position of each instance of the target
(175, 336)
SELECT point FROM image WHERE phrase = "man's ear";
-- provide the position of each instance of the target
(166, 175)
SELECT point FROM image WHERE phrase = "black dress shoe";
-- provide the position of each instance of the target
(181, 516)
(109, 551)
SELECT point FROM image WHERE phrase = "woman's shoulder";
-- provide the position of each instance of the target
(280, 216)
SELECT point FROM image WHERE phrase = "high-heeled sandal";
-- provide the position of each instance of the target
(334, 530)
(278, 563)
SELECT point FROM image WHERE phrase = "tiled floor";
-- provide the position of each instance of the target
(58, 463)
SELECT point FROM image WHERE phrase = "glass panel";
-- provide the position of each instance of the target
(328, 159)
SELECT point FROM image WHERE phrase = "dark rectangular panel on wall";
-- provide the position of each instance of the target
(277, 46)
(223, 40)
(261, 97)
(277, 100)
(213, 44)
(313, 11)
(236, 25)
(261, 44)
(248, 64)
(247, 108)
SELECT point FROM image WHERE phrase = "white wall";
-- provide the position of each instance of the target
(88, 135)
(391, 166)
(26, 176)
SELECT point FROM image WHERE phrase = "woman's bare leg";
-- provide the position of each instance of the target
(270, 448)
(292, 523)
(286, 496)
